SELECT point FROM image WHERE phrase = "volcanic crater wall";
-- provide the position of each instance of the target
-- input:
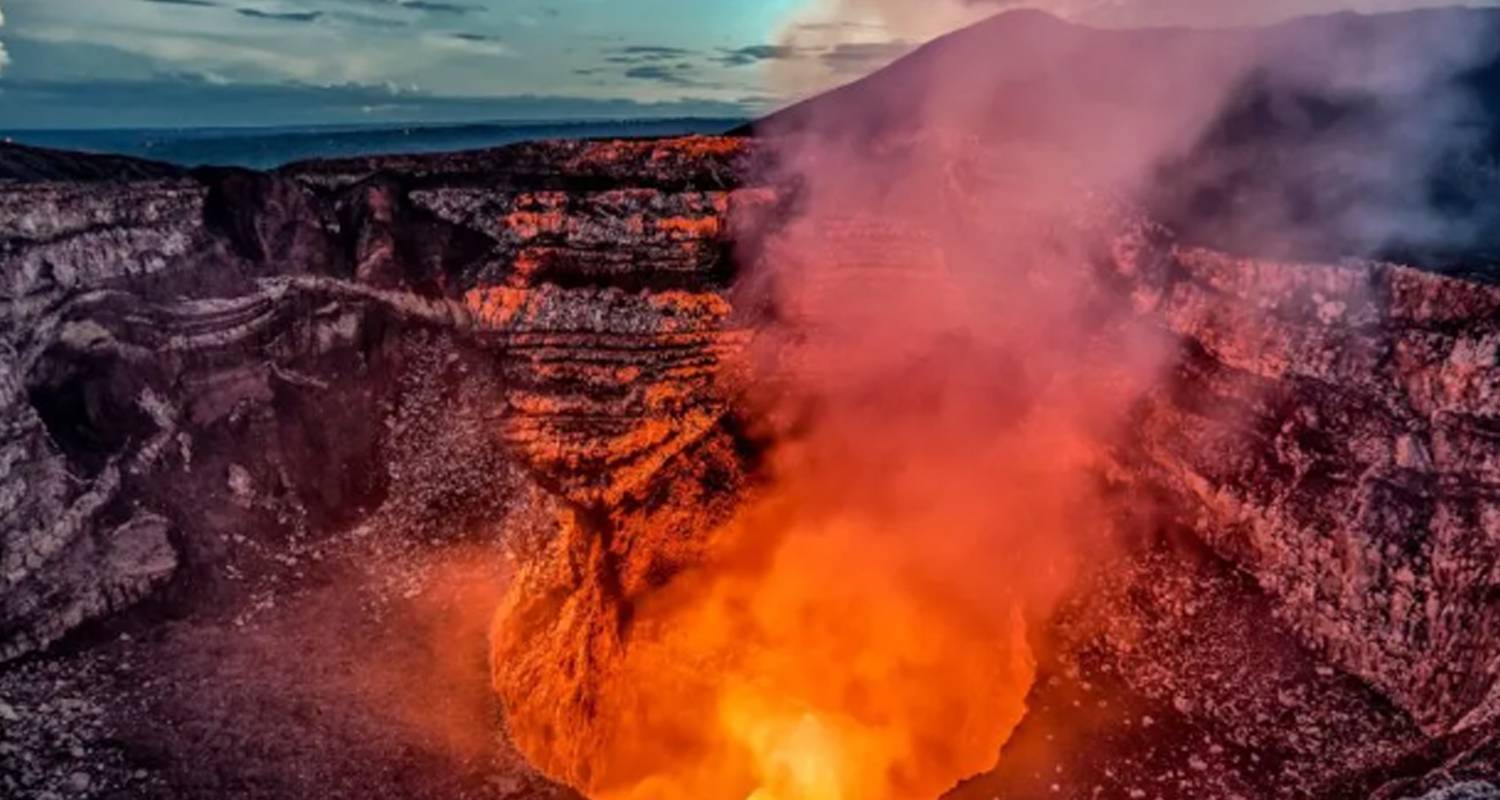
(172, 337)
(1333, 430)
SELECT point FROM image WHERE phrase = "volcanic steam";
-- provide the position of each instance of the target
(944, 349)
(933, 363)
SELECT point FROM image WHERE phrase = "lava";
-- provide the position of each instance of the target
(860, 630)
(820, 668)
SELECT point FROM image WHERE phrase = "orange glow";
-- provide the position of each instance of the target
(691, 228)
(830, 680)
(860, 632)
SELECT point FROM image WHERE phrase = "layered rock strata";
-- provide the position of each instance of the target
(154, 314)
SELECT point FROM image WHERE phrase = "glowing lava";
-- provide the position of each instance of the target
(859, 634)
(836, 672)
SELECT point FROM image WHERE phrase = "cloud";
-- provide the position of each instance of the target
(759, 102)
(667, 66)
(755, 53)
(471, 44)
(836, 22)
(448, 45)
(438, 7)
(189, 101)
(370, 21)
(662, 74)
(839, 26)
(649, 62)
(654, 52)
(168, 52)
(862, 57)
(680, 74)
(4, 55)
(281, 16)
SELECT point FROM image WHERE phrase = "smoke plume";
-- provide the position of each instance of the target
(937, 362)
(948, 347)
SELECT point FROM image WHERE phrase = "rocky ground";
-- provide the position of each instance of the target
(289, 659)
(333, 680)
(354, 665)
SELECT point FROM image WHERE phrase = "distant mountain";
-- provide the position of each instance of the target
(24, 164)
(1323, 136)
(269, 147)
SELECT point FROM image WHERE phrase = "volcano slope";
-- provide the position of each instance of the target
(272, 439)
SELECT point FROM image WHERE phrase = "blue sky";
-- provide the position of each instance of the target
(128, 62)
(121, 63)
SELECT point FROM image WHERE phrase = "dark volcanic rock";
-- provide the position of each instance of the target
(23, 164)
(271, 222)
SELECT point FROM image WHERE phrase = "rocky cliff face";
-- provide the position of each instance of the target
(1331, 430)
(206, 367)
(153, 313)
(187, 353)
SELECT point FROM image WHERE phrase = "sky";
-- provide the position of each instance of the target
(187, 63)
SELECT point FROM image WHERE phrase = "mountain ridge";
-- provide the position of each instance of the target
(1271, 141)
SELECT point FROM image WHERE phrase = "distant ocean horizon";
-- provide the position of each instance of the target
(270, 147)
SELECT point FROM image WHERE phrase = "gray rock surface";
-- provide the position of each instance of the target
(1470, 790)
(1331, 430)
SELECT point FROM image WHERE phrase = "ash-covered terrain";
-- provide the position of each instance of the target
(277, 445)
